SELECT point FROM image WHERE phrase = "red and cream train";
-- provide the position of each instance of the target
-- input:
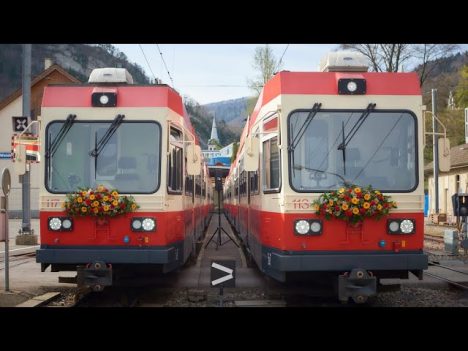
(311, 133)
(139, 140)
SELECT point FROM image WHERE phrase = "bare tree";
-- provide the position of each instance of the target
(266, 64)
(383, 57)
(430, 52)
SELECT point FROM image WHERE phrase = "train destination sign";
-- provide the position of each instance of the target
(223, 272)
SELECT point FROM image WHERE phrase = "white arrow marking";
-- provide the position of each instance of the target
(222, 268)
(223, 279)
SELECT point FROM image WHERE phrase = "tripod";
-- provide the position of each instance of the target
(220, 229)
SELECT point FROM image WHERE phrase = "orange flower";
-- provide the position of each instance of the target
(355, 200)
(106, 208)
(115, 202)
(92, 197)
(84, 209)
(134, 206)
(366, 205)
(115, 194)
(95, 204)
(357, 190)
(105, 198)
(96, 210)
(330, 203)
(379, 207)
(367, 197)
(79, 200)
(344, 207)
(355, 210)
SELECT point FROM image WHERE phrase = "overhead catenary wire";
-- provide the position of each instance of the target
(164, 62)
(281, 59)
(143, 52)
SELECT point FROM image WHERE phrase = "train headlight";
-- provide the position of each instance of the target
(401, 226)
(136, 224)
(60, 224)
(407, 226)
(67, 224)
(352, 86)
(143, 224)
(393, 226)
(104, 99)
(148, 224)
(302, 227)
(55, 223)
(316, 227)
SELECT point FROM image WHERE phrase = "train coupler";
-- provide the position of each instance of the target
(95, 276)
(357, 284)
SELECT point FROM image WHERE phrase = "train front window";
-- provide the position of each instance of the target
(337, 148)
(129, 161)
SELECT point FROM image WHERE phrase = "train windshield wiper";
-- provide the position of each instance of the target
(107, 135)
(295, 140)
(53, 145)
(353, 131)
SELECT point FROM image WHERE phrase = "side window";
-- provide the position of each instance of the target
(271, 165)
(175, 162)
(253, 182)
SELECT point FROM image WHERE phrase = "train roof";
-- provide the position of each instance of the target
(128, 96)
(325, 83)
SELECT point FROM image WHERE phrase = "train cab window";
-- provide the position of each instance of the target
(120, 162)
(271, 165)
(175, 162)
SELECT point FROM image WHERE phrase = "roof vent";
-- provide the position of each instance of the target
(344, 61)
(110, 75)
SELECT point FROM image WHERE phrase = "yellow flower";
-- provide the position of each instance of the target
(355, 200)
(84, 209)
(357, 190)
(367, 197)
(95, 210)
(341, 191)
(134, 206)
(100, 188)
(95, 204)
(83, 193)
(344, 207)
(379, 207)
(106, 208)
(115, 202)
(92, 197)
(377, 192)
(316, 207)
(79, 199)
(355, 210)
(105, 198)
(366, 205)
(115, 194)
(330, 203)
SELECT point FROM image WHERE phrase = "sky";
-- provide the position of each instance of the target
(215, 72)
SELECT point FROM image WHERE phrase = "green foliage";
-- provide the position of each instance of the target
(266, 64)
(461, 93)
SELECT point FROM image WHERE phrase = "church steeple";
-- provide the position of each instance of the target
(213, 142)
(214, 131)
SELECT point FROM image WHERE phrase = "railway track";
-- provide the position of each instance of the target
(451, 282)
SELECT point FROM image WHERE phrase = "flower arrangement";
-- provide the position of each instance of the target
(353, 204)
(98, 202)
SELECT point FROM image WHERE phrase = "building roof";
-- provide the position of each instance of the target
(44, 74)
(214, 131)
(458, 158)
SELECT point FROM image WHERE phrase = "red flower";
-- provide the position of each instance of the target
(348, 213)
(88, 202)
(362, 210)
(337, 208)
